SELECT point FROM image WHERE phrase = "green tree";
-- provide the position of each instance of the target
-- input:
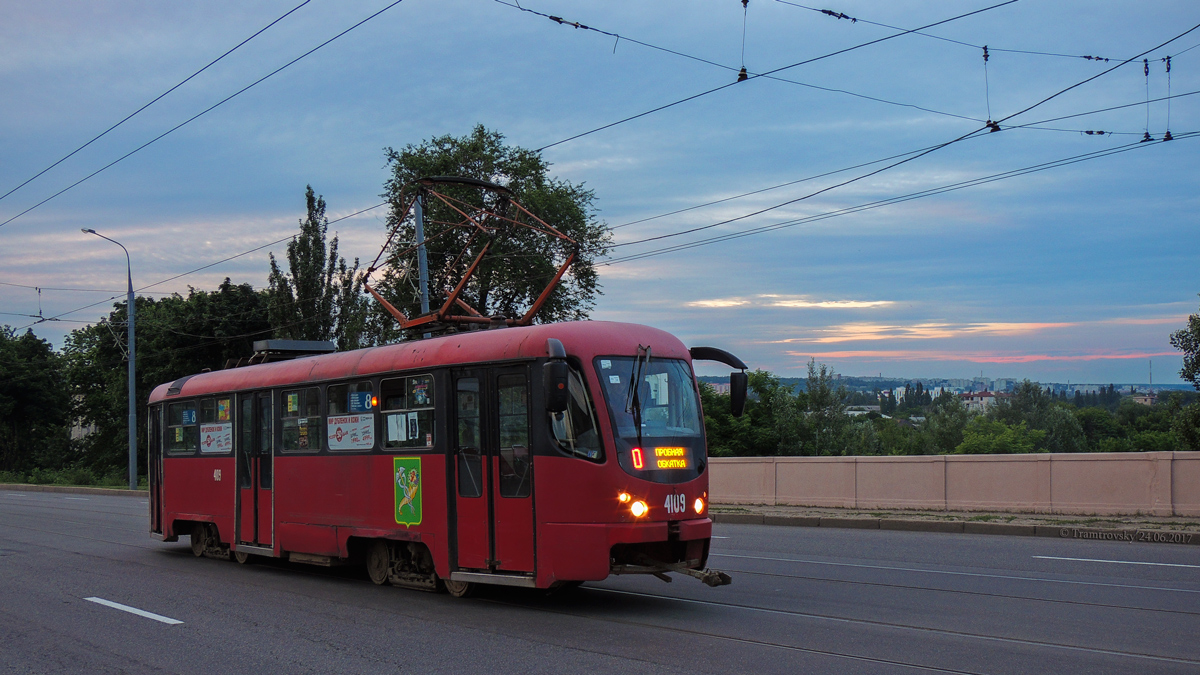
(520, 262)
(35, 404)
(318, 297)
(945, 421)
(1187, 340)
(987, 436)
(176, 336)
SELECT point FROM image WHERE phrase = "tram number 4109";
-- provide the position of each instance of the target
(676, 504)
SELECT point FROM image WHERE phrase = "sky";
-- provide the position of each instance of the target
(1078, 272)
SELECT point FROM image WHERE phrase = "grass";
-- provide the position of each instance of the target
(74, 477)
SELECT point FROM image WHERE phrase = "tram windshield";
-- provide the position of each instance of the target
(655, 415)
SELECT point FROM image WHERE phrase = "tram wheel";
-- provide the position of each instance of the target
(460, 589)
(379, 562)
(241, 557)
(199, 539)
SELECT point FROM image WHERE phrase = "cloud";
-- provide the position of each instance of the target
(803, 302)
(855, 332)
(974, 357)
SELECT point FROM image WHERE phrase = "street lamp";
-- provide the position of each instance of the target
(133, 475)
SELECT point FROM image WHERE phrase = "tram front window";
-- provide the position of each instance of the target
(656, 417)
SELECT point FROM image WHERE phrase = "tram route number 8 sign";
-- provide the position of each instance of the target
(406, 475)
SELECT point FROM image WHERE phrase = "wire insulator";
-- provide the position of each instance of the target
(742, 76)
(985, 54)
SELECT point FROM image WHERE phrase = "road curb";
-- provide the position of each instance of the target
(966, 527)
(71, 489)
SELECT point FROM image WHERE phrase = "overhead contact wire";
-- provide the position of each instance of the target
(201, 113)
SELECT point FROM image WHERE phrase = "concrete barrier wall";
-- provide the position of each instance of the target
(1149, 483)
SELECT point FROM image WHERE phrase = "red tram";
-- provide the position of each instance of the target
(533, 456)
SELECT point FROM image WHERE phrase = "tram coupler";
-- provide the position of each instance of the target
(648, 565)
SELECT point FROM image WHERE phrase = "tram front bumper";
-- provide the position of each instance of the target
(584, 551)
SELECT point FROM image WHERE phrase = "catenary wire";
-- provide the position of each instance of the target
(852, 19)
(892, 200)
(1031, 125)
(993, 126)
(154, 100)
(203, 112)
(204, 267)
(734, 69)
(769, 72)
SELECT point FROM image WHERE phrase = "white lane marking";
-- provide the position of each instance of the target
(1119, 562)
(134, 610)
(714, 536)
(135, 307)
(82, 499)
(18, 494)
(961, 574)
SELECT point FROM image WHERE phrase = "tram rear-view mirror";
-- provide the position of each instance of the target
(737, 392)
(554, 377)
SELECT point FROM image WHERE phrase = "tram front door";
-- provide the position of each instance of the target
(493, 470)
(255, 463)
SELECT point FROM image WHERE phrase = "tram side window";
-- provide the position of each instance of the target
(183, 432)
(575, 428)
(301, 416)
(470, 454)
(406, 404)
(216, 425)
(514, 436)
(350, 420)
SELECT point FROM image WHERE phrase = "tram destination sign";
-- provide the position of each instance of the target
(671, 458)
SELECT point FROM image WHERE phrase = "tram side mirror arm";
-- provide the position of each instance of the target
(738, 384)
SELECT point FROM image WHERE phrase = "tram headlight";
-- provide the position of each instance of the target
(638, 508)
(624, 498)
(699, 505)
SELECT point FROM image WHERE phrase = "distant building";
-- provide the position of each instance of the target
(1145, 399)
(980, 401)
(719, 387)
(856, 410)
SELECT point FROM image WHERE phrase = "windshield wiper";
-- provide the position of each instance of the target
(633, 403)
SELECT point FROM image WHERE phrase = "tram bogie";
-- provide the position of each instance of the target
(537, 457)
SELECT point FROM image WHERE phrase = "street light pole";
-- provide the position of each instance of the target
(133, 473)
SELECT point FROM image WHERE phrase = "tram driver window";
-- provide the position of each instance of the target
(575, 428)
(406, 404)
(301, 416)
(183, 432)
(350, 420)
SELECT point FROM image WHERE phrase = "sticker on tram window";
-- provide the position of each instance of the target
(614, 379)
(189, 416)
(293, 402)
(216, 437)
(351, 432)
(222, 409)
(605, 364)
(406, 474)
(360, 401)
(178, 431)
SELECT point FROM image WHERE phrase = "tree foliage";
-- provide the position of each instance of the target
(521, 261)
(318, 297)
(1187, 340)
(35, 403)
(176, 336)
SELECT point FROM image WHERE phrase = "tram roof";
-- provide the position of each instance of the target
(582, 339)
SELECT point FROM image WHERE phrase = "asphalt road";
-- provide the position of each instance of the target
(803, 600)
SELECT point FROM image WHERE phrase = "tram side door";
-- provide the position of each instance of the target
(154, 469)
(493, 470)
(255, 458)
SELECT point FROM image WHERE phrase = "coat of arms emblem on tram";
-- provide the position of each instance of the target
(407, 484)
